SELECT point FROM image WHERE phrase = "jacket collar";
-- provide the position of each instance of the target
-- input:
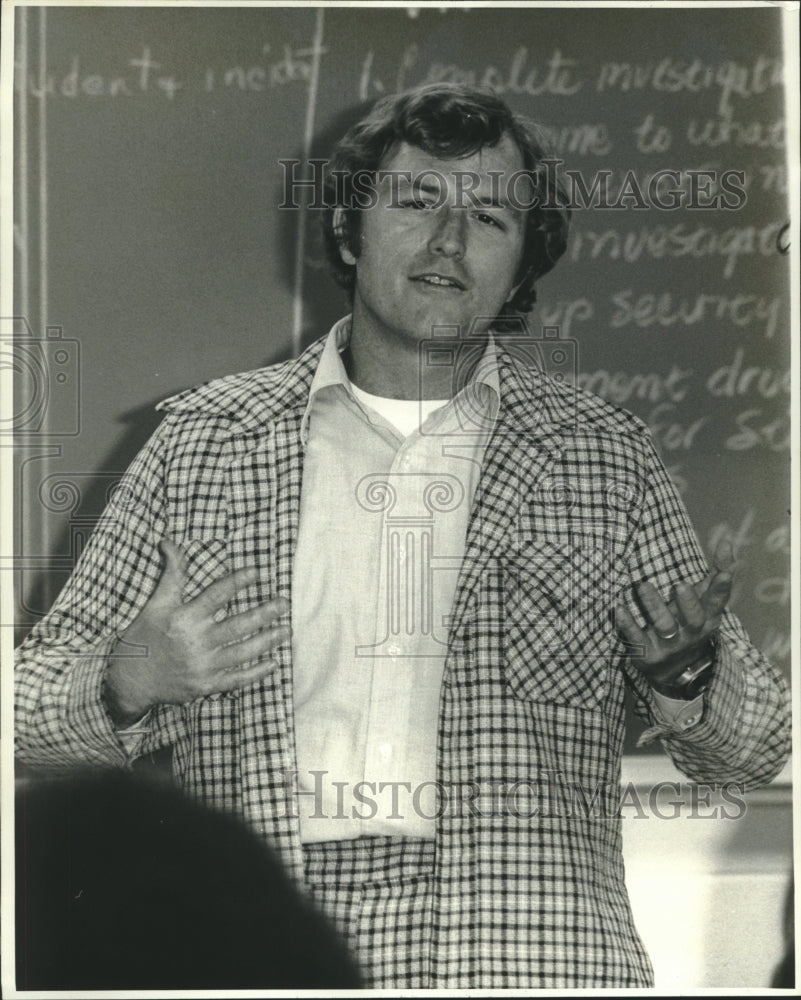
(531, 402)
(253, 400)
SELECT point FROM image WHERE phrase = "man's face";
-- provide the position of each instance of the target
(442, 249)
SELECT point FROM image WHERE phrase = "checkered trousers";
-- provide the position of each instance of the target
(378, 892)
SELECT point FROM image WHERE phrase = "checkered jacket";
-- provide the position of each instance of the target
(573, 506)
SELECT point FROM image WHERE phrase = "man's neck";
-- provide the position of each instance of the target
(401, 369)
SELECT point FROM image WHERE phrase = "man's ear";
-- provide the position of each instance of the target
(340, 232)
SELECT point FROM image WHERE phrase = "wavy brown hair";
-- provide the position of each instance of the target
(446, 121)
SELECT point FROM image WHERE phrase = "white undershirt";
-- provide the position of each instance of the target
(407, 415)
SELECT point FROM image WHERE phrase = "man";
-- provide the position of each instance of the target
(451, 532)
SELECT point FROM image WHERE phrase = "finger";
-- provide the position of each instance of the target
(718, 584)
(232, 657)
(631, 631)
(235, 679)
(219, 593)
(656, 611)
(688, 606)
(717, 593)
(238, 627)
(724, 558)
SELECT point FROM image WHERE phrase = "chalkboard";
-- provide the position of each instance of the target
(151, 254)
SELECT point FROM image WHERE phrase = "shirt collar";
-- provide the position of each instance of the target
(331, 371)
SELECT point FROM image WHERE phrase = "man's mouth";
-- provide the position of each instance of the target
(439, 280)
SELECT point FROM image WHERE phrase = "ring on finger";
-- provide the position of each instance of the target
(670, 635)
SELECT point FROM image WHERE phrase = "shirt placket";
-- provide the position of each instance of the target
(402, 604)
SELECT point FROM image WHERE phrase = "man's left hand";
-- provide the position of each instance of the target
(677, 633)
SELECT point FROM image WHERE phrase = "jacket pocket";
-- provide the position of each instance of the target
(559, 625)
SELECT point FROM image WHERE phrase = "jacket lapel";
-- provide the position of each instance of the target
(264, 487)
(526, 440)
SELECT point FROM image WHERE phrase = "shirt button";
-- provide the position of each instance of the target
(394, 650)
(385, 751)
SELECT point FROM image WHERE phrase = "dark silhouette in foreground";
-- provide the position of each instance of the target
(123, 883)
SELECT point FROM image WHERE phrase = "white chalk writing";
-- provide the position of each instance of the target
(723, 131)
(733, 379)
(139, 79)
(678, 76)
(758, 429)
(621, 387)
(667, 310)
(556, 75)
(680, 240)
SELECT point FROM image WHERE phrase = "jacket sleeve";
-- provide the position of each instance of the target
(60, 719)
(744, 733)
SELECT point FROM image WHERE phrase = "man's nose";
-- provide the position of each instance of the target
(448, 237)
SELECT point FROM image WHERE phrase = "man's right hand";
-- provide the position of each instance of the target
(189, 654)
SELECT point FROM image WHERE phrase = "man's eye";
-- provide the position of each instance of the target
(417, 203)
(489, 220)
